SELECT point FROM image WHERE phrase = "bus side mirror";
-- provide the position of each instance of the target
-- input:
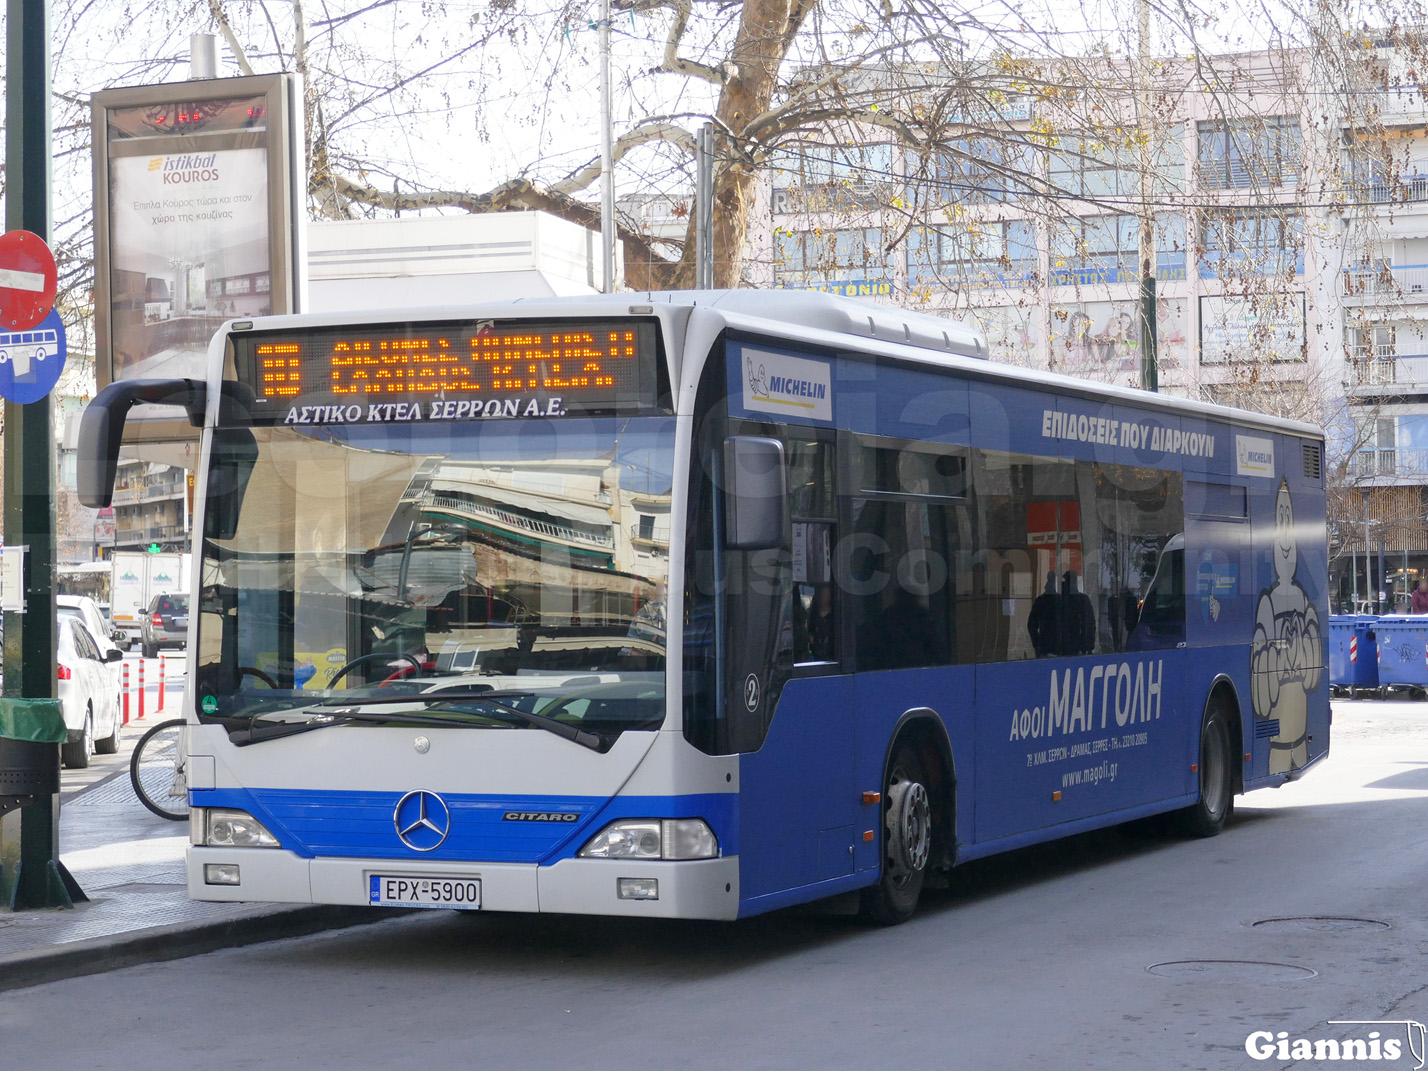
(235, 451)
(101, 428)
(755, 493)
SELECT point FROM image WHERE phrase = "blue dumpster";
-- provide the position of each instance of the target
(1403, 650)
(1353, 652)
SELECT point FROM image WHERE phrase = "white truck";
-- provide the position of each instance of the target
(139, 576)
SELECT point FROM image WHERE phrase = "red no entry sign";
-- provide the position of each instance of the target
(27, 280)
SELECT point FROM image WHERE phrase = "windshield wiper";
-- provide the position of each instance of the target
(257, 733)
(349, 710)
(454, 697)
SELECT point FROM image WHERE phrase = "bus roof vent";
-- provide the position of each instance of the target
(1313, 460)
(854, 316)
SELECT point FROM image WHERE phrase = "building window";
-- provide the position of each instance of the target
(1412, 443)
(973, 254)
(1259, 152)
(982, 170)
(1370, 342)
(1095, 249)
(830, 257)
(822, 178)
(1087, 166)
(1250, 242)
(1170, 246)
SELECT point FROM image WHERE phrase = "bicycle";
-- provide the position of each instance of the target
(158, 769)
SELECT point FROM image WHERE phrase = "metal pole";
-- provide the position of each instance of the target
(1149, 358)
(1354, 573)
(1368, 561)
(704, 209)
(1382, 574)
(29, 655)
(607, 157)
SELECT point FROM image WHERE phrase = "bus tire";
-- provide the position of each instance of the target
(907, 837)
(1207, 816)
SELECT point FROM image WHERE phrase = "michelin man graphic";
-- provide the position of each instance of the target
(1285, 654)
(757, 378)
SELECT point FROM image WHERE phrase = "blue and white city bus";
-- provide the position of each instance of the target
(703, 604)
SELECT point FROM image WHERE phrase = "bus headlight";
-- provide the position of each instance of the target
(223, 827)
(653, 838)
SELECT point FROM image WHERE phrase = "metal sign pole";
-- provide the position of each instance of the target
(35, 878)
(704, 209)
(607, 158)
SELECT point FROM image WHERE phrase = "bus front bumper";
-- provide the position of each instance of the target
(703, 889)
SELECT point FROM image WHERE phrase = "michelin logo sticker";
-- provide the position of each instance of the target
(1285, 653)
(1254, 456)
(788, 386)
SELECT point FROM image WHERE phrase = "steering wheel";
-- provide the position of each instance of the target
(401, 673)
(251, 671)
(363, 659)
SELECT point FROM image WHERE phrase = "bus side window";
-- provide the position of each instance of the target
(813, 509)
(899, 586)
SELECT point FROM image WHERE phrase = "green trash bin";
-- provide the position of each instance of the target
(31, 731)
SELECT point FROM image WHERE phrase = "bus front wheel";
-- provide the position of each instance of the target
(906, 840)
(1207, 816)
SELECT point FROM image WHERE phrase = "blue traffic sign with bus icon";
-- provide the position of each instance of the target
(31, 361)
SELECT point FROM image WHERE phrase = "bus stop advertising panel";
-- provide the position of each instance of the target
(197, 212)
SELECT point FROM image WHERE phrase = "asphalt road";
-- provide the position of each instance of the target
(1124, 949)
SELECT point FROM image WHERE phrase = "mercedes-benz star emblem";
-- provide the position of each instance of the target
(423, 820)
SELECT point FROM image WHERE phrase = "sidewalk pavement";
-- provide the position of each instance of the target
(129, 862)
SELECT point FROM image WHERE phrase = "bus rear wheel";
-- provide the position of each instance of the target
(1207, 816)
(906, 840)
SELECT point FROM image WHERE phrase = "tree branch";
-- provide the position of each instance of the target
(513, 195)
(672, 63)
(641, 135)
(215, 8)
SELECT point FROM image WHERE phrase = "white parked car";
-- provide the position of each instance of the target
(88, 611)
(87, 700)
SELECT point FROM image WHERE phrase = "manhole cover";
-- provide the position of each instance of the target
(1231, 970)
(1320, 924)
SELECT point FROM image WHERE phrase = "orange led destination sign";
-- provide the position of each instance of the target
(449, 371)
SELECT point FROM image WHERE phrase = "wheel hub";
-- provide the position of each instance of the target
(909, 824)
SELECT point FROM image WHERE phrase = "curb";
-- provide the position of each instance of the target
(158, 944)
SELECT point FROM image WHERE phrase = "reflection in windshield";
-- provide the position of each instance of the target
(508, 555)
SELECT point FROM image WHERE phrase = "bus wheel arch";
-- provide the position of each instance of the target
(1219, 766)
(1231, 698)
(916, 832)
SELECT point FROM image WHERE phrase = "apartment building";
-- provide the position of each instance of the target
(1289, 223)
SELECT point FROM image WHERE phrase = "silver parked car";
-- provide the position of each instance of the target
(165, 624)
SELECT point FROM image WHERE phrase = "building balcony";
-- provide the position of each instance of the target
(521, 522)
(1407, 282)
(1407, 190)
(1389, 467)
(163, 533)
(1399, 373)
(646, 537)
(153, 492)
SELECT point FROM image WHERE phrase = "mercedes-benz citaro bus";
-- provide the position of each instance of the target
(702, 604)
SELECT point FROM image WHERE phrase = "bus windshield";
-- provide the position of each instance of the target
(527, 559)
